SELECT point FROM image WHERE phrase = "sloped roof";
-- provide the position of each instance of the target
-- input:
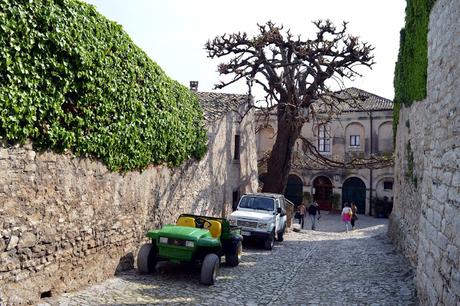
(365, 101)
(215, 104)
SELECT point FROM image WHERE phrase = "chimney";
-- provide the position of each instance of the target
(194, 85)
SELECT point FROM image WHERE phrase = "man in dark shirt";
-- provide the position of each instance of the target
(313, 210)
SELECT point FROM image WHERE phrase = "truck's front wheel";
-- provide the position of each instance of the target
(233, 259)
(209, 269)
(269, 242)
(280, 236)
(147, 259)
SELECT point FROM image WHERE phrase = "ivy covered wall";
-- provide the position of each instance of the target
(71, 80)
(411, 67)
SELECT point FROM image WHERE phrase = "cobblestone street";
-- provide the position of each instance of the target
(324, 267)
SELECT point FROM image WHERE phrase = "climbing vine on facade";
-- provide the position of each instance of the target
(411, 67)
(74, 81)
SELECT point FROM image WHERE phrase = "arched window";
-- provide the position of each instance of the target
(354, 136)
(385, 137)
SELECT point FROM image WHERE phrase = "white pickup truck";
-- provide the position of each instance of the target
(261, 216)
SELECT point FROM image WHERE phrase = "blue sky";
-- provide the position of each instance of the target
(173, 32)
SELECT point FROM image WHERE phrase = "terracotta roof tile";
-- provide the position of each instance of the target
(366, 101)
(215, 105)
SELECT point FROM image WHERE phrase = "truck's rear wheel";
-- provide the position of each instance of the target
(147, 259)
(269, 242)
(233, 259)
(209, 269)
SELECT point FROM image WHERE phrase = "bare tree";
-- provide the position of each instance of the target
(295, 74)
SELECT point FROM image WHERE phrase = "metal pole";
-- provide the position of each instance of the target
(370, 169)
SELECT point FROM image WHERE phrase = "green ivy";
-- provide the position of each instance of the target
(73, 80)
(411, 67)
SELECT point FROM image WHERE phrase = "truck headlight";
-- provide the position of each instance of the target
(232, 221)
(163, 240)
(189, 244)
(262, 225)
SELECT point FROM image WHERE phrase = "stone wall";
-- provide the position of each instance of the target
(67, 222)
(404, 221)
(427, 213)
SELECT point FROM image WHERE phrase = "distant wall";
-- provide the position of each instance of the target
(67, 222)
(426, 216)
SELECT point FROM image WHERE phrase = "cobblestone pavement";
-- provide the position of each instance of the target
(323, 267)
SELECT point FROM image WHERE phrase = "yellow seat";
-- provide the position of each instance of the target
(186, 221)
(215, 228)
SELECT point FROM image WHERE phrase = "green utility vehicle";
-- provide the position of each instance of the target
(193, 239)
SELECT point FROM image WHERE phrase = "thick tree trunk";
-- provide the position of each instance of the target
(280, 160)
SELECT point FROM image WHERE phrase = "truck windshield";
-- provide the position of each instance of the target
(257, 203)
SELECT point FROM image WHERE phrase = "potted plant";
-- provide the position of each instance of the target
(306, 197)
(335, 201)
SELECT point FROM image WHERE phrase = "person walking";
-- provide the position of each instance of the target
(346, 215)
(301, 214)
(354, 216)
(313, 211)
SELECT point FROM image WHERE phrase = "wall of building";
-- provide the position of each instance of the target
(348, 123)
(426, 218)
(67, 222)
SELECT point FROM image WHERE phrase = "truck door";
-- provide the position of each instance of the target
(283, 218)
(278, 218)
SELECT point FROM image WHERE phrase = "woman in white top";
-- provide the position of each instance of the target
(346, 215)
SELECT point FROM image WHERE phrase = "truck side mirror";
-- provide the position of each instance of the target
(278, 210)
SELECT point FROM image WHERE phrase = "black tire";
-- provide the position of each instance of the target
(209, 269)
(233, 259)
(147, 259)
(280, 236)
(269, 242)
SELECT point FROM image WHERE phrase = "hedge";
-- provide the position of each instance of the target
(74, 81)
(411, 67)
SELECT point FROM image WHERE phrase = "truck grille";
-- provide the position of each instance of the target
(177, 242)
(245, 223)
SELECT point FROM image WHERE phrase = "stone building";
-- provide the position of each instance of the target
(360, 130)
(67, 222)
(425, 222)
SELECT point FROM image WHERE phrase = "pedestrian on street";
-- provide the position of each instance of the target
(301, 214)
(314, 213)
(354, 216)
(346, 215)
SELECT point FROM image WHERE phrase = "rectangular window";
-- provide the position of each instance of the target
(324, 140)
(354, 141)
(236, 155)
(388, 185)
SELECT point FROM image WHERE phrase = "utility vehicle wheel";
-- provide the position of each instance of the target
(280, 235)
(233, 259)
(269, 242)
(147, 259)
(209, 269)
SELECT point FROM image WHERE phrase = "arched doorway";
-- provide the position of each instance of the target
(294, 189)
(354, 190)
(323, 192)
